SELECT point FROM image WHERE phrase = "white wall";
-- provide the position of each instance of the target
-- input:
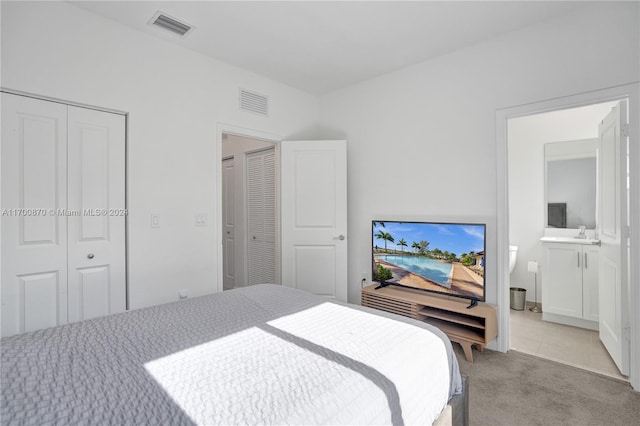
(174, 98)
(527, 137)
(422, 141)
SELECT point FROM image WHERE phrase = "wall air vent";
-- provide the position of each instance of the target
(254, 102)
(164, 21)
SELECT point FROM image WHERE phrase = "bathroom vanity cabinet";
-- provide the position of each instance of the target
(570, 283)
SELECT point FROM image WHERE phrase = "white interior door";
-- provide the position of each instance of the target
(34, 235)
(261, 217)
(314, 216)
(228, 224)
(96, 186)
(612, 226)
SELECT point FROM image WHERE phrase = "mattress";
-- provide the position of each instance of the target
(264, 354)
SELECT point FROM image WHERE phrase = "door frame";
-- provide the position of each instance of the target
(627, 91)
(126, 164)
(224, 128)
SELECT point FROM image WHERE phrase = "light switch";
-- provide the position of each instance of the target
(155, 220)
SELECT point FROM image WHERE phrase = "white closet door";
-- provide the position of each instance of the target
(228, 224)
(96, 173)
(34, 233)
(261, 217)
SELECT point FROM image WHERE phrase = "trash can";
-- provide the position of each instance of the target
(518, 297)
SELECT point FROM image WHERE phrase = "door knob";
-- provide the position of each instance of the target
(340, 237)
(90, 256)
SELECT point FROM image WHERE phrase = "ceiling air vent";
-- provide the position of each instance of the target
(164, 21)
(254, 102)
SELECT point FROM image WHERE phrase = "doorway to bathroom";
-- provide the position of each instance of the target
(559, 184)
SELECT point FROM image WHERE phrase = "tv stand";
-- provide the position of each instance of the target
(474, 303)
(468, 327)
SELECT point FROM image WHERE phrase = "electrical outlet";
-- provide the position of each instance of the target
(183, 294)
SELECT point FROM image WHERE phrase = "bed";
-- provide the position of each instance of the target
(264, 354)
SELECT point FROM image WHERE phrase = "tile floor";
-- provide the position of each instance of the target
(569, 345)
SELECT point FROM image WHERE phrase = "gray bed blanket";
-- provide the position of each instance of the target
(258, 355)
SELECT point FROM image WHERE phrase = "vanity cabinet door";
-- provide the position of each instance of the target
(590, 282)
(562, 279)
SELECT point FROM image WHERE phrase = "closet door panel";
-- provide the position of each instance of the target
(89, 293)
(97, 280)
(34, 226)
(261, 224)
(91, 152)
(39, 294)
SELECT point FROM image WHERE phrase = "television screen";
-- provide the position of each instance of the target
(445, 258)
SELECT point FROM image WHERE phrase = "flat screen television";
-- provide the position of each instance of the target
(438, 257)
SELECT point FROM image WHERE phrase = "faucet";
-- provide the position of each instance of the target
(582, 235)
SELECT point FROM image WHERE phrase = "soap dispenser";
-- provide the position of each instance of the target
(582, 234)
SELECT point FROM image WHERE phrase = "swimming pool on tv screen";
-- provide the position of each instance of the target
(430, 269)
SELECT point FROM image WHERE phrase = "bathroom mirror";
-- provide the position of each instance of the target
(570, 184)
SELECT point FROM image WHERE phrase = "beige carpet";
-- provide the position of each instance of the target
(521, 389)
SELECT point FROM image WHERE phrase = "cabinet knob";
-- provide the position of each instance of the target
(90, 256)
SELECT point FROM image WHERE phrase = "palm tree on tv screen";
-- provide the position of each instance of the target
(415, 246)
(402, 243)
(385, 236)
(424, 245)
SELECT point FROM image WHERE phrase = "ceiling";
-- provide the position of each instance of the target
(322, 46)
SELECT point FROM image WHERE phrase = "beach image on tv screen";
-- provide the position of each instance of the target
(441, 257)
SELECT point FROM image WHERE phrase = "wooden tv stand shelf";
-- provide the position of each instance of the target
(468, 327)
